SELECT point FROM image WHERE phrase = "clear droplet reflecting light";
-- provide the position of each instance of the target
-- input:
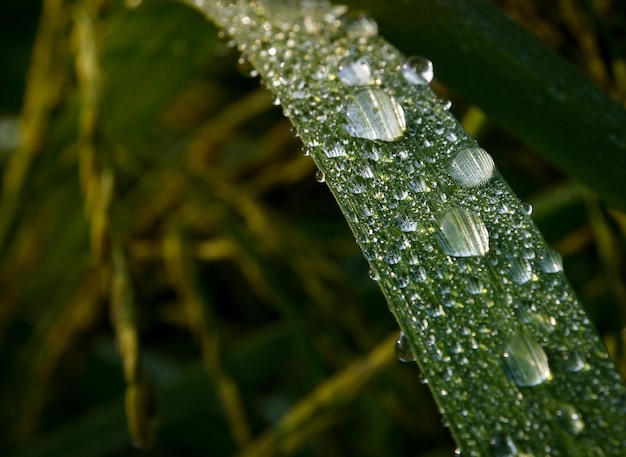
(355, 72)
(403, 350)
(472, 167)
(463, 234)
(418, 70)
(525, 361)
(570, 419)
(375, 115)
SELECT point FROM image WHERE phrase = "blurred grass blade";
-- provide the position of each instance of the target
(201, 324)
(293, 430)
(516, 80)
(140, 410)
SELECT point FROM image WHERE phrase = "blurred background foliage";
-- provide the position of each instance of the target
(169, 264)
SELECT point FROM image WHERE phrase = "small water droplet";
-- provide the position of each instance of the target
(527, 208)
(355, 71)
(359, 24)
(407, 225)
(472, 167)
(474, 286)
(374, 276)
(503, 446)
(525, 361)
(392, 257)
(575, 361)
(319, 176)
(418, 185)
(520, 271)
(375, 115)
(570, 419)
(463, 234)
(403, 350)
(334, 149)
(551, 261)
(418, 70)
(358, 185)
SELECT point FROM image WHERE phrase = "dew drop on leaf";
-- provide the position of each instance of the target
(375, 115)
(418, 70)
(359, 24)
(373, 274)
(471, 167)
(527, 208)
(525, 361)
(520, 271)
(575, 361)
(355, 72)
(463, 234)
(334, 149)
(570, 419)
(551, 261)
(403, 350)
(502, 446)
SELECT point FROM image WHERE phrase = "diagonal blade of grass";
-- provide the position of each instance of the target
(480, 297)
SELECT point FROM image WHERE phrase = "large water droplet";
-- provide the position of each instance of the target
(472, 167)
(418, 70)
(375, 115)
(319, 176)
(463, 234)
(551, 261)
(570, 419)
(525, 361)
(359, 24)
(355, 72)
(403, 350)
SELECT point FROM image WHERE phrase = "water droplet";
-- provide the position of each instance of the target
(375, 115)
(418, 185)
(393, 257)
(551, 261)
(570, 419)
(374, 276)
(407, 225)
(355, 72)
(525, 361)
(319, 176)
(418, 70)
(463, 234)
(403, 350)
(575, 361)
(359, 24)
(502, 446)
(474, 286)
(520, 271)
(358, 185)
(527, 208)
(334, 149)
(472, 167)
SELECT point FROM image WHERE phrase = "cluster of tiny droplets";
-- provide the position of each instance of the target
(454, 251)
